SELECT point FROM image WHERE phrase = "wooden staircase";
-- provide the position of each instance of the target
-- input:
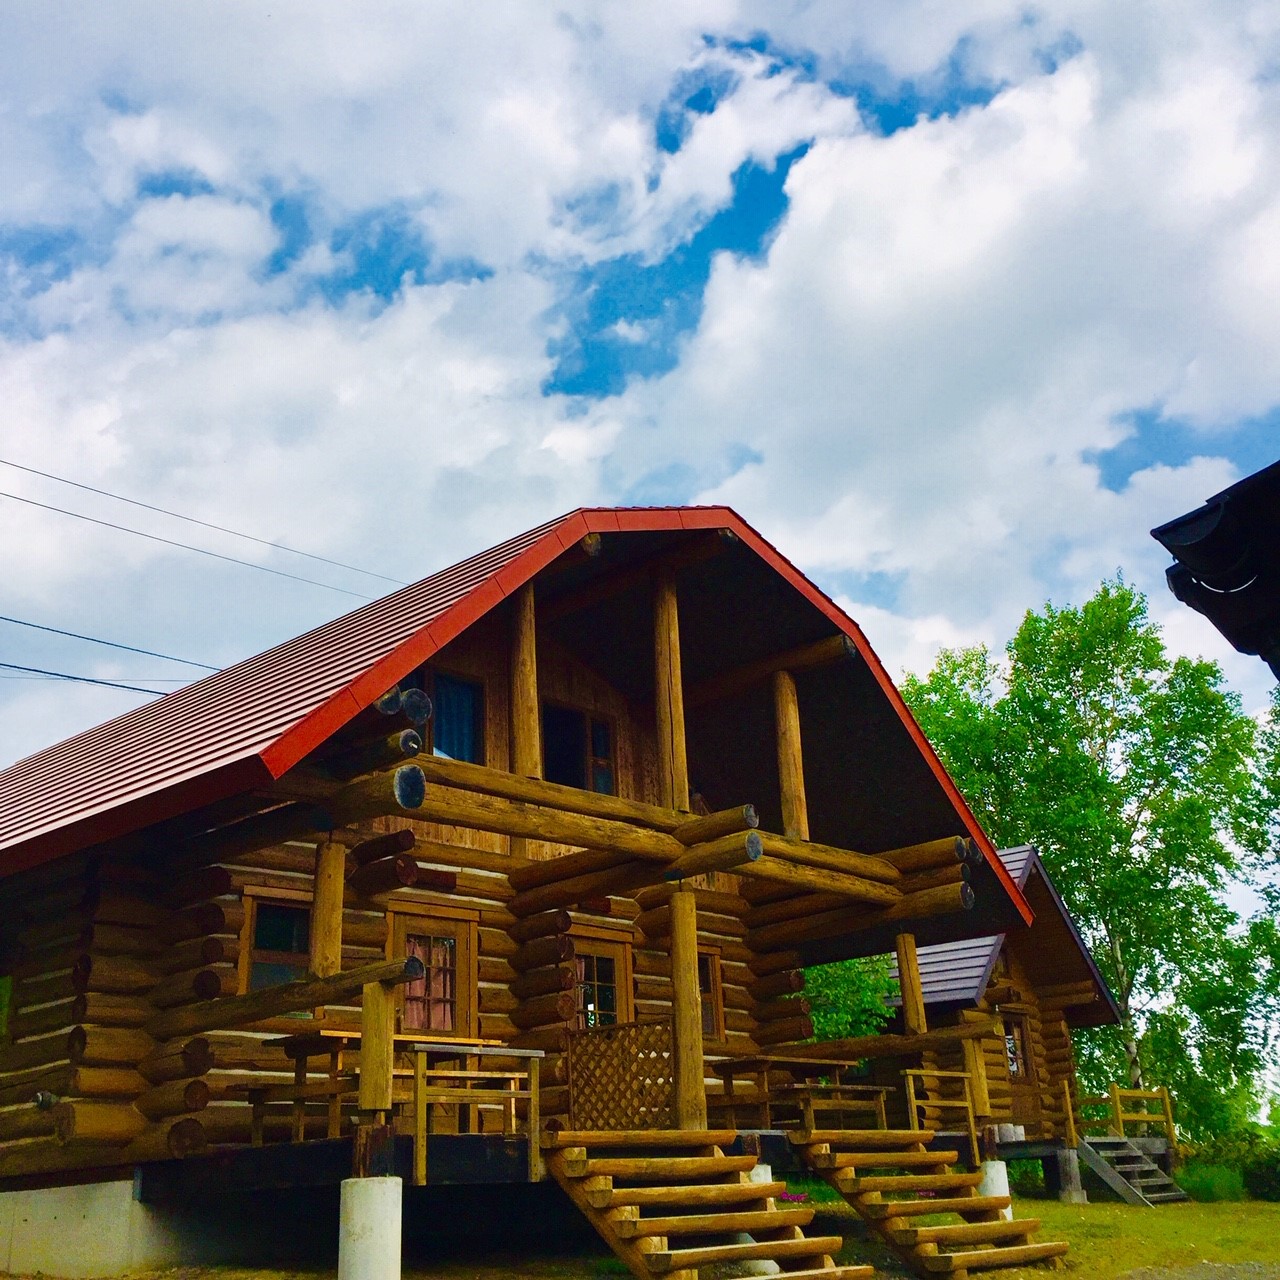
(1123, 1168)
(889, 1177)
(670, 1202)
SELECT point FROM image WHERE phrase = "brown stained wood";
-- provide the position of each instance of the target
(377, 1045)
(550, 950)
(108, 1046)
(894, 1046)
(197, 984)
(110, 1122)
(712, 826)
(261, 831)
(765, 964)
(289, 997)
(913, 1008)
(933, 902)
(110, 1011)
(382, 753)
(784, 1031)
(712, 900)
(26, 1122)
(492, 969)
(782, 1008)
(673, 766)
(38, 1052)
(104, 1082)
(325, 956)
(793, 908)
(690, 1096)
(175, 1098)
(383, 846)
(114, 939)
(932, 854)
(854, 887)
(625, 876)
(50, 1017)
(542, 925)
(540, 1011)
(399, 871)
(919, 881)
(826, 857)
(18, 1087)
(364, 930)
(177, 1061)
(526, 712)
(207, 918)
(786, 710)
(570, 866)
(820, 653)
(726, 853)
(116, 975)
(119, 908)
(195, 953)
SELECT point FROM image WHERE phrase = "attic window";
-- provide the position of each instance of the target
(457, 721)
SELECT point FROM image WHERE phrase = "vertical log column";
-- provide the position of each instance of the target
(786, 707)
(913, 1019)
(326, 910)
(668, 695)
(690, 1083)
(526, 723)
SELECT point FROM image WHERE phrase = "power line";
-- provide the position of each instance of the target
(62, 675)
(185, 546)
(128, 648)
(177, 515)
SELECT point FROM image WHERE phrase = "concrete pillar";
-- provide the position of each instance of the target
(995, 1182)
(1062, 1176)
(369, 1229)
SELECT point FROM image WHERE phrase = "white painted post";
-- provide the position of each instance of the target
(369, 1229)
(995, 1182)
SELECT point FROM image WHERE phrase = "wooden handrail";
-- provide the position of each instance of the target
(1118, 1116)
(909, 1076)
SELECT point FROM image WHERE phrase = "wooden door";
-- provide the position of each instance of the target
(1023, 1080)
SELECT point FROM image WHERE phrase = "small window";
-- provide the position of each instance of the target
(457, 719)
(442, 1001)
(577, 750)
(597, 991)
(280, 945)
(711, 995)
(1015, 1048)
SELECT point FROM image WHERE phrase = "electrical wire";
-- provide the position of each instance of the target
(177, 515)
(185, 546)
(62, 675)
(111, 644)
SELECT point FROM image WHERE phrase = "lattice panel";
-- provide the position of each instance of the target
(621, 1077)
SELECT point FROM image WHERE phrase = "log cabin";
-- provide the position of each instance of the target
(1031, 987)
(510, 875)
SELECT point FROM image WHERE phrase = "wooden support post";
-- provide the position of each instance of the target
(913, 1015)
(326, 910)
(536, 1172)
(975, 1065)
(673, 766)
(786, 705)
(1069, 1114)
(690, 1084)
(1117, 1111)
(377, 1049)
(526, 721)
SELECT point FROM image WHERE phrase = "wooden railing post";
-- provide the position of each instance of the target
(668, 696)
(535, 1121)
(1169, 1128)
(689, 1073)
(913, 1121)
(1117, 1110)
(1073, 1138)
(377, 1049)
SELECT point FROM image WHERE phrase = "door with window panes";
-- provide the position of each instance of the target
(441, 1002)
(1023, 1080)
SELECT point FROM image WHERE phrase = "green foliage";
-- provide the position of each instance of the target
(1147, 790)
(1209, 1182)
(850, 997)
(1262, 1173)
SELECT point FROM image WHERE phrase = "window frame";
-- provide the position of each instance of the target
(462, 923)
(252, 896)
(589, 758)
(428, 677)
(713, 955)
(611, 944)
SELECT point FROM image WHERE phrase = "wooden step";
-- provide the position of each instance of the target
(679, 1259)
(908, 1182)
(883, 1159)
(850, 1271)
(967, 1232)
(987, 1259)
(709, 1224)
(686, 1193)
(638, 1138)
(962, 1205)
(868, 1139)
(657, 1168)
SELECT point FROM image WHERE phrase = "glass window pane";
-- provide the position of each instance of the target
(564, 746)
(266, 974)
(601, 739)
(281, 928)
(456, 719)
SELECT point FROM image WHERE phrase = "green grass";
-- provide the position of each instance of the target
(1211, 1182)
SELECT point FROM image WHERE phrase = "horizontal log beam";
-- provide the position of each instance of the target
(933, 853)
(829, 858)
(272, 1002)
(856, 1048)
(737, 851)
(382, 753)
(853, 887)
(714, 825)
(820, 653)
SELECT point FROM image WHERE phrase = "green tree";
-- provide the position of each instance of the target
(850, 997)
(1138, 778)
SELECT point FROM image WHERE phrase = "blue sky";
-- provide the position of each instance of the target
(952, 306)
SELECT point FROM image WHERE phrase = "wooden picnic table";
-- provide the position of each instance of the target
(803, 1092)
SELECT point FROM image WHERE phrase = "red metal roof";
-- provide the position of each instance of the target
(246, 726)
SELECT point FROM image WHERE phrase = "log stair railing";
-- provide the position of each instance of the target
(892, 1180)
(671, 1204)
